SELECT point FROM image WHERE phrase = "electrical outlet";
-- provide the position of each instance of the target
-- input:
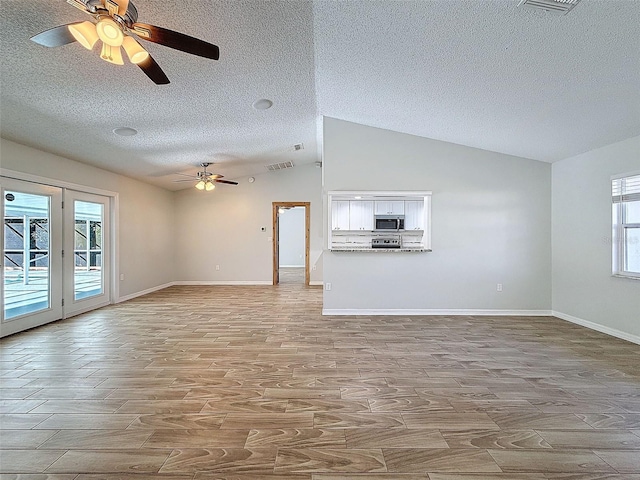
(327, 286)
(217, 267)
(121, 276)
(499, 287)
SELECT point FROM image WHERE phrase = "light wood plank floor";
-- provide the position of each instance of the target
(292, 275)
(253, 383)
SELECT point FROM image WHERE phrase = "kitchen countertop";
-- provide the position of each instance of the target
(383, 233)
(379, 250)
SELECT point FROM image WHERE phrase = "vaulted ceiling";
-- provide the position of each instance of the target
(483, 73)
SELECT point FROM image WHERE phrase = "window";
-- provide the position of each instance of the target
(625, 194)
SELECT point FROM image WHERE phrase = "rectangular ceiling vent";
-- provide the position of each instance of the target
(279, 166)
(559, 7)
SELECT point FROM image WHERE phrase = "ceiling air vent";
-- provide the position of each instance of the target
(559, 7)
(279, 166)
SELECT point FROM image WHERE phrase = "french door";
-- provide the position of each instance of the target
(54, 264)
(86, 252)
(32, 255)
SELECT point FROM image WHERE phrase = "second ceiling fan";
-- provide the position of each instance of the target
(205, 180)
(115, 24)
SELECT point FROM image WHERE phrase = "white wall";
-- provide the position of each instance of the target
(145, 233)
(223, 227)
(491, 224)
(291, 226)
(583, 288)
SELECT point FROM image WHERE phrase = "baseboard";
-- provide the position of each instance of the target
(144, 292)
(223, 282)
(200, 282)
(84, 310)
(598, 328)
(291, 266)
(315, 283)
(452, 312)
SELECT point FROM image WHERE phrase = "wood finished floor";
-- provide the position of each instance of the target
(253, 383)
(291, 275)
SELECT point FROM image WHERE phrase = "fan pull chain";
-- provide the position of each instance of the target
(105, 55)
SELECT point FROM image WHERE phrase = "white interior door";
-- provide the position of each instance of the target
(31, 238)
(87, 261)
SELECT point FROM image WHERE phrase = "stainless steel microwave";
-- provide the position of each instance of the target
(389, 222)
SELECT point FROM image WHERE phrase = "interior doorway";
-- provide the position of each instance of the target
(291, 227)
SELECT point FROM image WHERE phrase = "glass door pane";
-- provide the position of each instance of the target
(87, 253)
(31, 239)
(27, 277)
(87, 269)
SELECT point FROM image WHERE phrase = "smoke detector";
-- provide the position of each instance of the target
(279, 166)
(559, 7)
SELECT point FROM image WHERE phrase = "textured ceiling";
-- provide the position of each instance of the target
(483, 73)
(67, 100)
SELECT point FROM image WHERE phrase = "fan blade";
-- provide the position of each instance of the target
(185, 175)
(176, 40)
(153, 71)
(117, 7)
(226, 181)
(54, 37)
(178, 181)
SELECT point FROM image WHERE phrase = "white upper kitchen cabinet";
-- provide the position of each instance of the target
(340, 215)
(389, 207)
(414, 215)
(361, 215)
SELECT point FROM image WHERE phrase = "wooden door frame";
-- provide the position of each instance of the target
(307, 230)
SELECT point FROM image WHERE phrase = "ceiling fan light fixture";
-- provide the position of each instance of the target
(200, 185)
(109, 32)
(134, 50)
(111, 54)
(115, 20)
(209, 186)
(85, 33)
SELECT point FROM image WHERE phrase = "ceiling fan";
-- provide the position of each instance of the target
(205, 180)
(115, 24)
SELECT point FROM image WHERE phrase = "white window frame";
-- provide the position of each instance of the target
(624, 188)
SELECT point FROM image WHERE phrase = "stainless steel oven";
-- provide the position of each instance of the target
(387, 242)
